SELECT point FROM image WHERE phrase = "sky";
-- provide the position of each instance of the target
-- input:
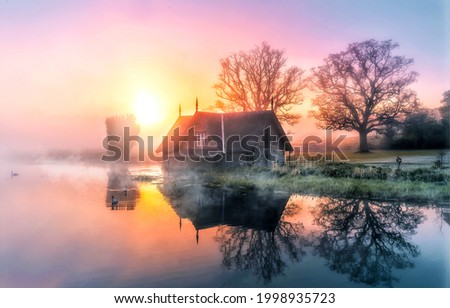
(67, 65)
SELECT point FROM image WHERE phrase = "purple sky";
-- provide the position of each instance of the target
(66, 65)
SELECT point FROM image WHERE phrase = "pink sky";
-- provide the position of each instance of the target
(65, 66)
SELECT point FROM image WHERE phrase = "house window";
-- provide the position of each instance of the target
(200, 141)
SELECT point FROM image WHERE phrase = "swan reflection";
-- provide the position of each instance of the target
(122, 192)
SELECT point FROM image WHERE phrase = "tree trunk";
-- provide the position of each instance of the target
(363, 146)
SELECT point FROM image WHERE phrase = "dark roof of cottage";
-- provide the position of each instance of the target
(237, 123)
(182, 123)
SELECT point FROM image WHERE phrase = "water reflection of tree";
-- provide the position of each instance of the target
(264, 252)
(443, 216)
(366, 239)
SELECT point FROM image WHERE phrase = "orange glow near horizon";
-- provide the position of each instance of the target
(67, 67)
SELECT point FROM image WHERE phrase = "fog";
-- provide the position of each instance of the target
(66, 67)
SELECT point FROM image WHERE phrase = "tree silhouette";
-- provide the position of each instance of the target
(445, 108)
(364, 88)
(421, 130)
(445, 113)
(366, 239)
(250, 80)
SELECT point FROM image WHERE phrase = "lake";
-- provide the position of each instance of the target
(59, 228)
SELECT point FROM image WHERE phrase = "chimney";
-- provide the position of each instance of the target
(271, 103)
(179, 110)
(196, 104)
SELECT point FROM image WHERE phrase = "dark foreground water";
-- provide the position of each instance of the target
(59, 228)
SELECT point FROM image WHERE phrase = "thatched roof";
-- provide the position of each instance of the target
(237, 123)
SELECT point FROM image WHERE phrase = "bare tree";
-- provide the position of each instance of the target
(250, 80)
(364, 88)
(265, 252)
(366, 240)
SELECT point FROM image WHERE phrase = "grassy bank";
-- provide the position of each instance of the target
(341, 180)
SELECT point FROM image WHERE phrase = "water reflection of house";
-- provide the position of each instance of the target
(250, 226)
(210, 207)
(237, 138)
(122, 189)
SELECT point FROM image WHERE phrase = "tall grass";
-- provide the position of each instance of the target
(341, 180)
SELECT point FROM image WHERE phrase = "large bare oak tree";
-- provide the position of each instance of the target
(364, 88)
(249, 80)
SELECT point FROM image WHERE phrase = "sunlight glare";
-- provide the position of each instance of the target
(146, 109)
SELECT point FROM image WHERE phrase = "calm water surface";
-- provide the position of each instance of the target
(58, 228)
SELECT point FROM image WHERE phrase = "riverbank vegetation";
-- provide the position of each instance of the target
(338, 180)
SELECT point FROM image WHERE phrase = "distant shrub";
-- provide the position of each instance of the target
(338, 170)
(352, 171)
(426, 175)
(309, 171)
(360, 171)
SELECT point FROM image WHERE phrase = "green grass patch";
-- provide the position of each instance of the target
(388, 154)
(346, 187)
(339, 180)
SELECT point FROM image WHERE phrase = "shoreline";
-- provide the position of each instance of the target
(406, 191)
(335, 180)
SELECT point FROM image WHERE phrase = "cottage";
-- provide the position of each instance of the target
(225, 139)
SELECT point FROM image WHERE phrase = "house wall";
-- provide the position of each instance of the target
(281, 158)
(175, 164)
(263, 160)
(275, 156)
(234, 159)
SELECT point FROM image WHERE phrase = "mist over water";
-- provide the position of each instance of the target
(59, 228)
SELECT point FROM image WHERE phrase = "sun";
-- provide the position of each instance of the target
(146, 109)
